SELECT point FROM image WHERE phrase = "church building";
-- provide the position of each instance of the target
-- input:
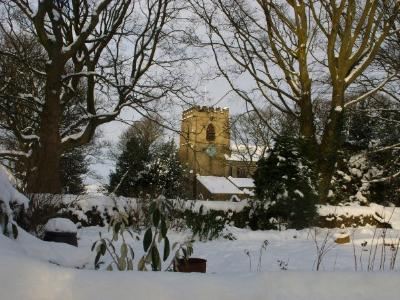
(205, 148)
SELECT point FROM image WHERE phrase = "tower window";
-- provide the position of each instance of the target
(210, 133)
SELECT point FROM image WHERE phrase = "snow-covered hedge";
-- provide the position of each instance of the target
(9, 197)
(97, 210)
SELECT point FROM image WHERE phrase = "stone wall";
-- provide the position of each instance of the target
(205, 157)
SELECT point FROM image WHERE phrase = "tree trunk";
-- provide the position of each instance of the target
(331, 143)
(45, 177)
(307, 129)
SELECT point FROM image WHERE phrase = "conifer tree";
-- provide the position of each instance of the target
(285, 184)
(147, 165)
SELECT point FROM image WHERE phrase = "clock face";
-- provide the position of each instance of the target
(211, 150)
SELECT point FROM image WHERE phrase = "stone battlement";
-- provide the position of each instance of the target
(206, 109)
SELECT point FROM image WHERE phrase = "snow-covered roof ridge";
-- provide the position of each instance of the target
(242, 182)
(245, 152)
(219, 185)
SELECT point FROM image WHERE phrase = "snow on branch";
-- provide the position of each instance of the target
(390, 147)
(383, 179)
(14, 153)
(371, 92)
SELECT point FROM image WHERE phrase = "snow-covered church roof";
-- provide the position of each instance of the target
(242, 182)
(245, 153)
(219, 185)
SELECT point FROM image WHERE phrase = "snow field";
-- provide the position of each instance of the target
(33, 269)
(236, 269)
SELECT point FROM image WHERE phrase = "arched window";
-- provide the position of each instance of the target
(210, 133)
(241, 173)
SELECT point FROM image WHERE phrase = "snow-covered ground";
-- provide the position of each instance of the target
(285, 268)
(34, 269)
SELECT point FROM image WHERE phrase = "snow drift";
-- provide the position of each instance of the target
(23, 277)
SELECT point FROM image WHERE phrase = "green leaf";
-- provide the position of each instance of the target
(96, 260)
(159, 238)
(152, 206)
(190, 250)
(109, 268)
(148, 257)
(14, 231)
(124, 250)
(132, 253)
(103, 248)
(148, 236)
(121, 263)
(130, 264)
(125, 218)
(166, 249)
(142, 264)
(156, 217)
(155, 259)
(94, 245)
(117, 227)
(163, 228)
(5, 227)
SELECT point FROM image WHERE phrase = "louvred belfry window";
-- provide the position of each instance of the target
(210, 133)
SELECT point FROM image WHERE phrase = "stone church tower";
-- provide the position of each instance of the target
(205, 140)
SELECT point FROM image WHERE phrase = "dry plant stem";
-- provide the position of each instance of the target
(370, 258)
(383, 251)
(247, 252)
(323, 248)
(262, 249)
(354, 251)
(112, 256)
(395, 251)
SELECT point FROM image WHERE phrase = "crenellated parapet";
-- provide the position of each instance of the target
(204, 109)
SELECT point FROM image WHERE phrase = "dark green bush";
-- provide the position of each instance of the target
(285, 187)
(205, 225)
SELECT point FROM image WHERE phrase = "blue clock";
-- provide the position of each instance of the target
(211, 151)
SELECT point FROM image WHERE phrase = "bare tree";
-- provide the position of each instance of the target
(251, 137)
(109, 54)
(297, 51)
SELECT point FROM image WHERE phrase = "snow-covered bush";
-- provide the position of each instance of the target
(369, 156)
(285, 185)
(42, 207)
(206, 225)
(363, 177)
(9, 199)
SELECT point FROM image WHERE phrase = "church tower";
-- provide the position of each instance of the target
(205, 140)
